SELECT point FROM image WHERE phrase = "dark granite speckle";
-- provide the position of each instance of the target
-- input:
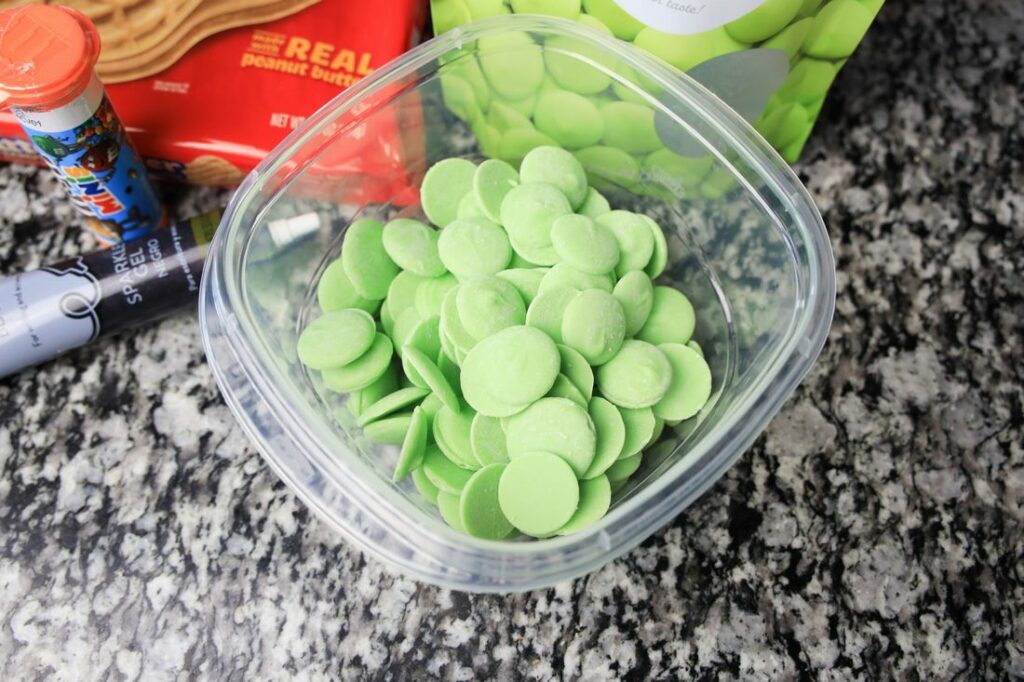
(875, 531)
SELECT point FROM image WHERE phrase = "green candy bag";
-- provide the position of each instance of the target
(772, 60)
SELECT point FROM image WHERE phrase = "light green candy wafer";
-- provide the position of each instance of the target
(431, 292)
(362, 371)
(442, 472)
(809, 8)
(512, 63)
(443, 187)
(403, 327)
(659, 426)
(489, 304)
(547, 310)
(424, 484)
(523, 105)
(469, 208)
(635, 293)
(557, 424)
(636, 240)
(837, 29)
(487, 439)
(528, 213)
(791, 38)
(451, 433)
(387, 321)
(402, 294)
(479, 508)
(618, 485)
(659, 256)
(564, 388)
(366, 263)
(624, 468)
(509, 370)
(809, 80)
(638, 376)
(585, 244)
(471, 247)
(691, 383)
(640, 425)
(671, 169)
(451, 372)
(335, 291)
(565, 276)
(693, 345)
(468, 68)
(548, 85)
(431, 377)
(431, 406)
(595, 499)
(672, 318)
(784, 125)
(414, 445)
(390, 430)
(525, 280)
(611, 14)
(609, 167)
(538, 493)
(576, 368)
(611, 436)
(687, 51)
(359, 401)
(393, 402)
(594, 325)
(492, 181)
(569, 119)
(567, 60)
(719, 181)
(555, 166)
(426, 336)
(447, 14)
(488, 138)
(503, 117)
(336, 339)
(763, 21)
(567, 9)
(413, 246)
(634, 86)
(457, 94)
(451, 328)
(520, 262)
(448, 505)
(481, 9)
(516, 143)
(594, 204)
(630, 127)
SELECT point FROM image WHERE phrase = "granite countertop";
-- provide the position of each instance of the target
(875, 530)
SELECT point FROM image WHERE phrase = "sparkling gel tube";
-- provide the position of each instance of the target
(49, 311)
(47, 79)
(46, 312)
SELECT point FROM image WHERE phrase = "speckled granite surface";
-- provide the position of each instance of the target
(875, 531)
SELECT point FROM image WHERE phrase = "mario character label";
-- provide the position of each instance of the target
(87, 148)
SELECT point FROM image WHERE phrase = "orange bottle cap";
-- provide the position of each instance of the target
(46, 55)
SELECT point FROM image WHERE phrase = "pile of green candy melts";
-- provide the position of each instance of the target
(518, 351)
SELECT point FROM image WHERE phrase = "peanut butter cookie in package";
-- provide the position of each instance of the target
(207, 88)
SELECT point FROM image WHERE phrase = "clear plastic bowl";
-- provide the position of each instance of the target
(753, 256)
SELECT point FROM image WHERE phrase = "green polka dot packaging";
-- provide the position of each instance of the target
(771, 60)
